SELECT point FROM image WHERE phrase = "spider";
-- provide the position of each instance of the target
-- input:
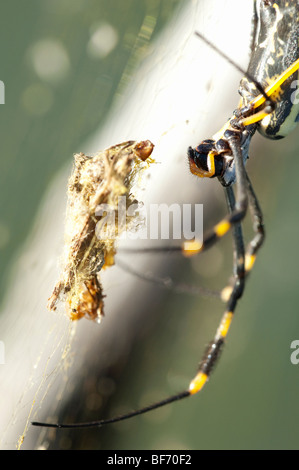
(268, 105)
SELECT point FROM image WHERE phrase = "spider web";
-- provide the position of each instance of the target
(171, 95)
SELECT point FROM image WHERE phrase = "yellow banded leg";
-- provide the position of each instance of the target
(214, 349)
(260, 99)
(191, 248)
(194, 247)
(255, 244)
(249, 263)
(258, 226)
(269, 91)
(211, 355)
(257, 117)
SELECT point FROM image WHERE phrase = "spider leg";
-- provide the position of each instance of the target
(258, 226)
(168, 283)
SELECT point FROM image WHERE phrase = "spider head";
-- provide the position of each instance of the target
(199, 161)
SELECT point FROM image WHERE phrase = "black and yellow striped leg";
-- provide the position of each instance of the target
(238, 240)
(214, 348)
(258, 227)
(242, 266)
(256, 242)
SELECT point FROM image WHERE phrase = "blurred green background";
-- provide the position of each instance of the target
(59, 85)
(51, 106)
